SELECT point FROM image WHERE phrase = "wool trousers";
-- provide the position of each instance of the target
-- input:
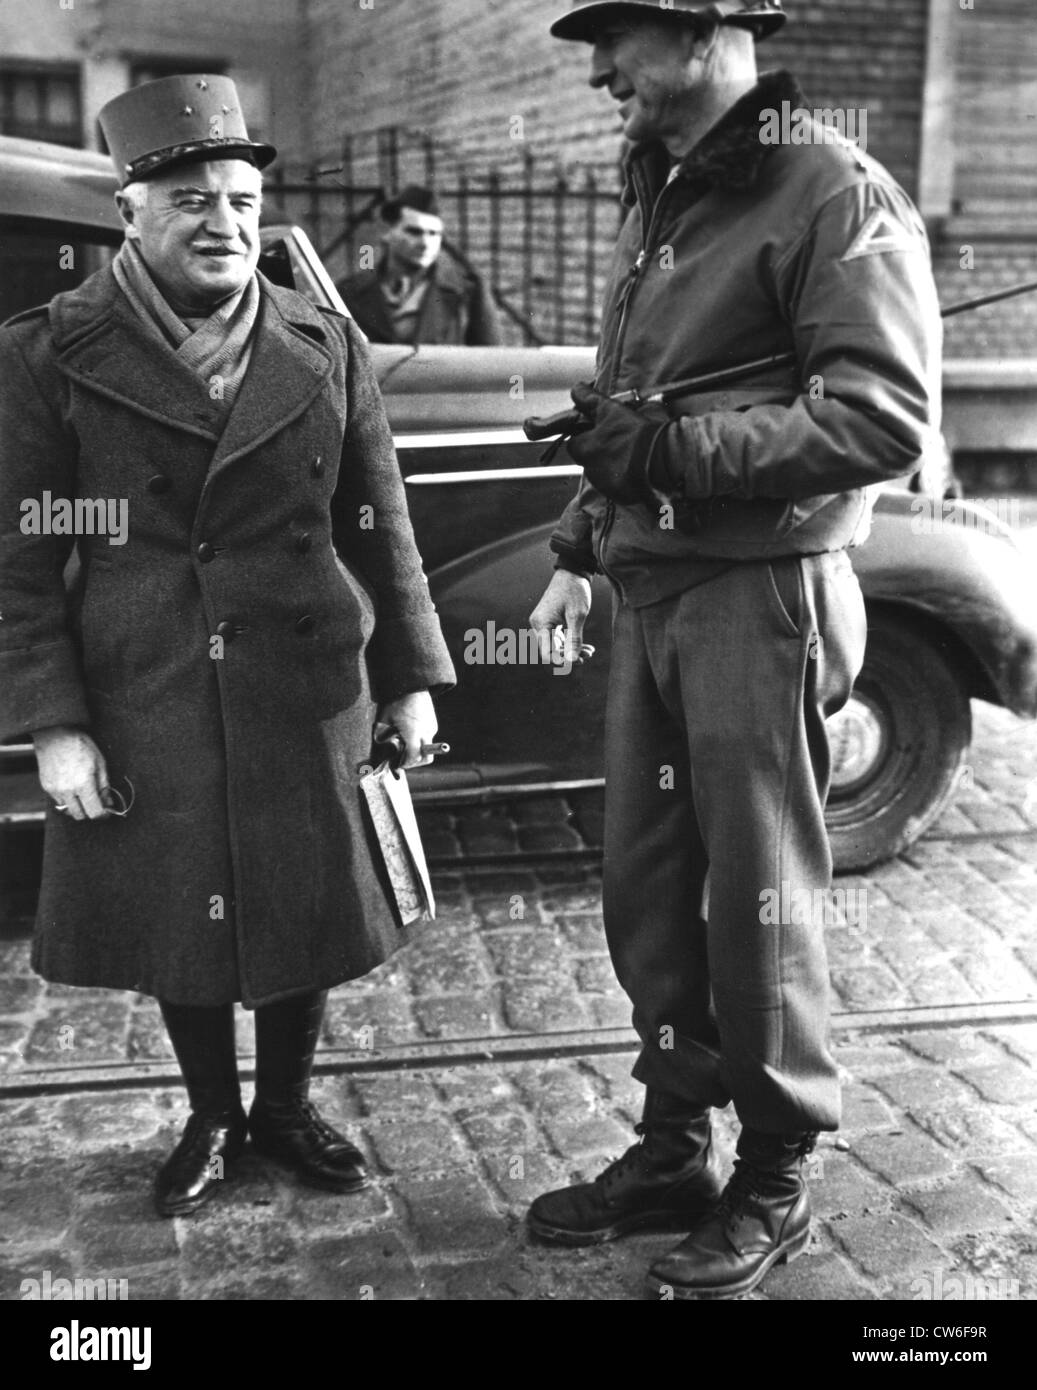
(717, 770)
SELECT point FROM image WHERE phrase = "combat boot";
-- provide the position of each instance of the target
(664, 1183)
(762, 1220)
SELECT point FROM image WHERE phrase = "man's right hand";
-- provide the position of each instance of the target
(72, 771)
(565, 604)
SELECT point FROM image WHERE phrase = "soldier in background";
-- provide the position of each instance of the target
(415, 294)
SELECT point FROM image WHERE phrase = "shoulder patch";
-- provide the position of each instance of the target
(881, 234)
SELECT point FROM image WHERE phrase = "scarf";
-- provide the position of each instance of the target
(217, 346)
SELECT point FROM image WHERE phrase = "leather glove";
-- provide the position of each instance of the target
(616, 451)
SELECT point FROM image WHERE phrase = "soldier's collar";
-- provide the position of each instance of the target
(729, 155)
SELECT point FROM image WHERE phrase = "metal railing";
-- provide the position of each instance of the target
(542, 238)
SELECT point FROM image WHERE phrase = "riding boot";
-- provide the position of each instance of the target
(203, 1040)
(762, 1220)
(283, 1123)
(665, 1182)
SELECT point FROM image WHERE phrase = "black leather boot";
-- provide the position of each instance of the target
(203, 1040)
(762, 1220)
(664, 1183)
(284, 1125)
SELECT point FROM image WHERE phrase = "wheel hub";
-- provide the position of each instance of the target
(856, 736)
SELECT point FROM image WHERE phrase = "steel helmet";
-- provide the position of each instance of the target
(761, 17)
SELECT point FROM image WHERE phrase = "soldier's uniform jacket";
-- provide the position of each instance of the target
(751, 250)
(457, 309)
(225, 659)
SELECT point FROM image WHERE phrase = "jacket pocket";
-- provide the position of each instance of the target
(784, 582)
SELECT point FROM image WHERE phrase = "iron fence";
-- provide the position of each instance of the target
(542, 238)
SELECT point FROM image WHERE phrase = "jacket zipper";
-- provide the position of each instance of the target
(610, 516)
(633, 275)
(622, 308)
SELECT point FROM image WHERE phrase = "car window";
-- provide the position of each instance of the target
(288, 258)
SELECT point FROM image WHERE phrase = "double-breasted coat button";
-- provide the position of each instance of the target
(306, 624)
(206, 552)
(304, 542)
(318, 467)
(159, 483)
(226, 630)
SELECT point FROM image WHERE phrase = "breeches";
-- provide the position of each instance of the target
(717, 770)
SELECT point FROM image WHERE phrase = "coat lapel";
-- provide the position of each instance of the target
(289, 367)
(102, 346)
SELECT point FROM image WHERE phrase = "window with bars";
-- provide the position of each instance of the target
(41, 102)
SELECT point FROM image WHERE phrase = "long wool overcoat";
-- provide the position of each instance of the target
(226, 659)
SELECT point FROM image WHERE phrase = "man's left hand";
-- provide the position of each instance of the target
(414, 717)
(614, 453)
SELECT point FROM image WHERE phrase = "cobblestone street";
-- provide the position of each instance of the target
(490, 1060)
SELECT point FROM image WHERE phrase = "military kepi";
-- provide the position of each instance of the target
(177, 120)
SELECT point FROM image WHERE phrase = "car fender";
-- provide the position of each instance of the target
(957, 567)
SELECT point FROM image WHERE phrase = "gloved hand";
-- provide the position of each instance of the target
(614, 453)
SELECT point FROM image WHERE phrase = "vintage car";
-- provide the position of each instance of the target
(951, 597)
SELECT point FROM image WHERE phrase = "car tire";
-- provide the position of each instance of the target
(898, 748)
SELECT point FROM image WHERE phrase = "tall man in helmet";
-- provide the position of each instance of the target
(722, 522)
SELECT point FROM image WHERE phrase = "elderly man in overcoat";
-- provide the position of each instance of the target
(222, 669)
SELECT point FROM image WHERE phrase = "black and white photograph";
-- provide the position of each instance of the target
(518, 665)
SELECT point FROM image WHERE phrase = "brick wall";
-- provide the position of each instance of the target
(487, 84)
(465, 69)
(990, 239)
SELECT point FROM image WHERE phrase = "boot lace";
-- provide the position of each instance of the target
(625, 1164)
(317, 1125)
(748, 1183)
(622, 1166)
(743, 1188)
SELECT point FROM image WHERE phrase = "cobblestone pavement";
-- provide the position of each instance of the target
(932, 1177)
(519, 949)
